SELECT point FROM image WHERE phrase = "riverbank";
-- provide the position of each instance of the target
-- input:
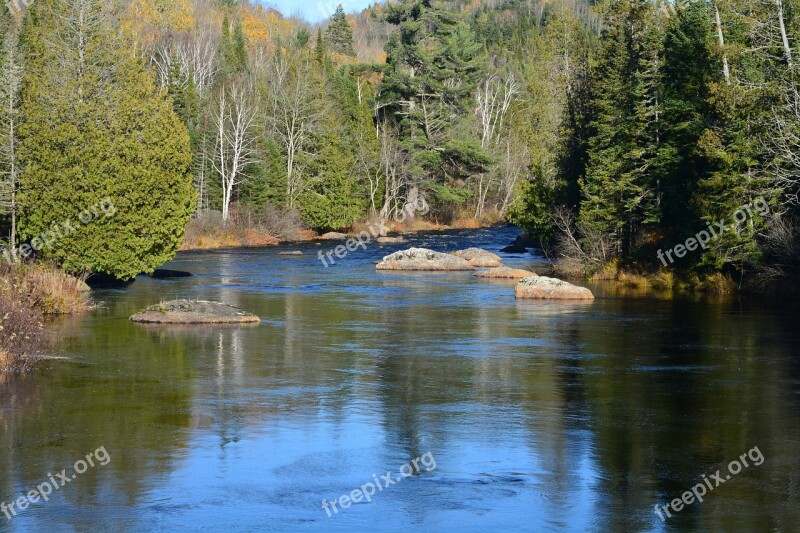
(29, 292)
(210, 233)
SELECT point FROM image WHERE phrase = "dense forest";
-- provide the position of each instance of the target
(609, 131)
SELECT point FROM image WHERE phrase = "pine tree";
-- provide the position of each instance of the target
(232, 47)
(434, 64)
(96, 132)
(331, 200)
(339, 35)
(620, 191)
(687, 72)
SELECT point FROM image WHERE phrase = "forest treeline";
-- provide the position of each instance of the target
(609, 131)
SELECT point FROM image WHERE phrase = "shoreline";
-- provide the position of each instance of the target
(252, 238)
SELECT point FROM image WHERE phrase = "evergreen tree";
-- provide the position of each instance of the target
(339, 35)
(687, 72)
(232, 47)
(433, 66)
(95, 127)
(331, 200)
(620, 191)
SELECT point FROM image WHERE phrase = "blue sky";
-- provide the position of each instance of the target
(316, 10)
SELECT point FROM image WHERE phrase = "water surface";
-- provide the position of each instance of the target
(540, 416)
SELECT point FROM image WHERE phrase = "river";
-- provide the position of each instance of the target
(523, 416)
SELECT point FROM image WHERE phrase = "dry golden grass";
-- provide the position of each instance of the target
(718, 283)
(609, 272)
(197, 239)
(50, 289)
(633, 281)
(663, 280)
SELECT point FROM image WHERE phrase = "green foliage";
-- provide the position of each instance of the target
(332, 201)
(94, 126)
(232, 47)
(339, 35)
(434, 63)
(620, 192)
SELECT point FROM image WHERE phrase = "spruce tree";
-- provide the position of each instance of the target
(339, 35)
(105, 160)
(688, 69)
(620, 191)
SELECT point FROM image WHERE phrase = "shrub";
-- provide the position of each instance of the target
(21, 331)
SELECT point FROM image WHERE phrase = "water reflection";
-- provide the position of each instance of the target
(542, 416)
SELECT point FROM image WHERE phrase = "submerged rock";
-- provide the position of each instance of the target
(193, 312)
(478, 257)
(541, 288)
(334, 236)
(391, 240)
(424, 260)
(506, 273)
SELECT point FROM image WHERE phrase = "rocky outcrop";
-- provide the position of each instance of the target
(422, 259)
(478, 257)
(541, 288)
(193, 312)
(506, 273)
(334, 236)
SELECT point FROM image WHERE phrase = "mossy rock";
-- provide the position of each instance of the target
(193, 312)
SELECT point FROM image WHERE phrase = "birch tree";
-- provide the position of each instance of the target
(295, 109)
(234, 117)
(493, 101)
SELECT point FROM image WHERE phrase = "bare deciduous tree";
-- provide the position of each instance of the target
(295, 109)
(234, 117)
(395, 163)
(10, 80)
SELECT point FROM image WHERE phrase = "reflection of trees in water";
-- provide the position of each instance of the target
(126, 390)
(679, 389)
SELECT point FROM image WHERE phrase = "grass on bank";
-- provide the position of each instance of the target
(271, 225)
(29, 292)
(246, 228)
(661, 280)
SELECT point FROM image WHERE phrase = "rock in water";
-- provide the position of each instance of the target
(478, 257)
(193, 312)
(506, 273)
(541, 288)
(422, 259)
(519, 246)
(334, 236)
(391, 240)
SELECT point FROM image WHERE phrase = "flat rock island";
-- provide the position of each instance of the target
(193, 312)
